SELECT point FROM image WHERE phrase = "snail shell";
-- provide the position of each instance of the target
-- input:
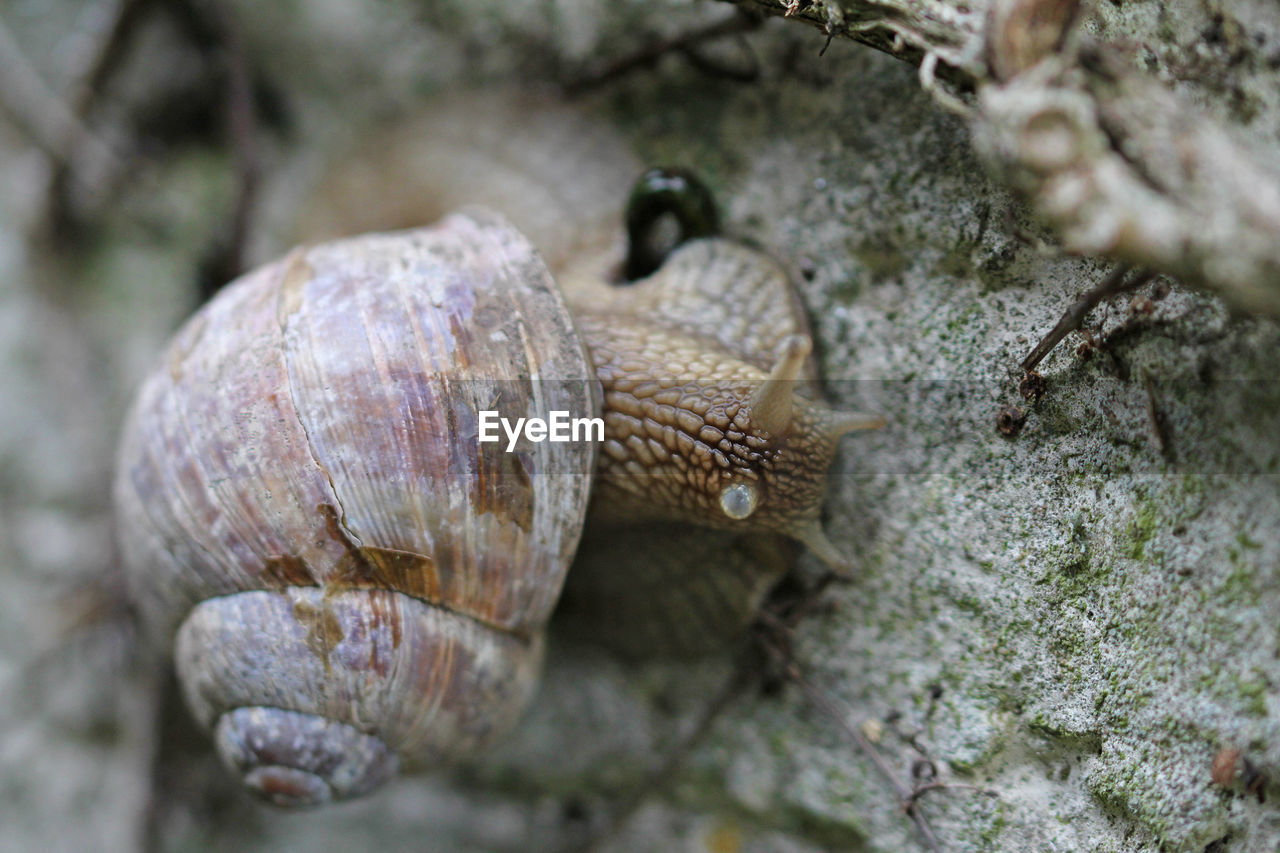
(288, 491)
(348, 577)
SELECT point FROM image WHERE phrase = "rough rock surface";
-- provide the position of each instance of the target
(1070, 624)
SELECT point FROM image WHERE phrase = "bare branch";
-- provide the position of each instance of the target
(45, 118)
(1073, 317)
(910, 29)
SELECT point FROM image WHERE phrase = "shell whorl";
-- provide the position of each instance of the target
(301, 486)
(293, 759)
(321, 670)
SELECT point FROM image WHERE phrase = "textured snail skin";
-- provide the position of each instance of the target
(664, 568)
(350, 580)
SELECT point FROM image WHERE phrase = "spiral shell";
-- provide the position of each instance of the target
(352, 577)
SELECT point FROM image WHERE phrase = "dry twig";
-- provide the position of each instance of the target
(1073, 317)
(660, 777)
(686, 43)
(107, 57)
(50, 123)
(828, 706)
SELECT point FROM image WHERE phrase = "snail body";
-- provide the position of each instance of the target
(350, 579)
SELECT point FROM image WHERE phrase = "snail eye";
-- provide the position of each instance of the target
(739, 500)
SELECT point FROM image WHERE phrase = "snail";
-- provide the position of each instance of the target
(350, 580)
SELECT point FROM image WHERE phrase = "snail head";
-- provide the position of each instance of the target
(740, 451)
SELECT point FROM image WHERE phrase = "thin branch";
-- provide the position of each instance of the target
(42, 115)
(1075, 314)
(244, 137)
(907, 29)
(111, 50)
(1155, 419)
(660, 777)
(686, 43)
(828, 706)
(921, 790)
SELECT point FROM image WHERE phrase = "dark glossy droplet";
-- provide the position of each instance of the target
(659, 197)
